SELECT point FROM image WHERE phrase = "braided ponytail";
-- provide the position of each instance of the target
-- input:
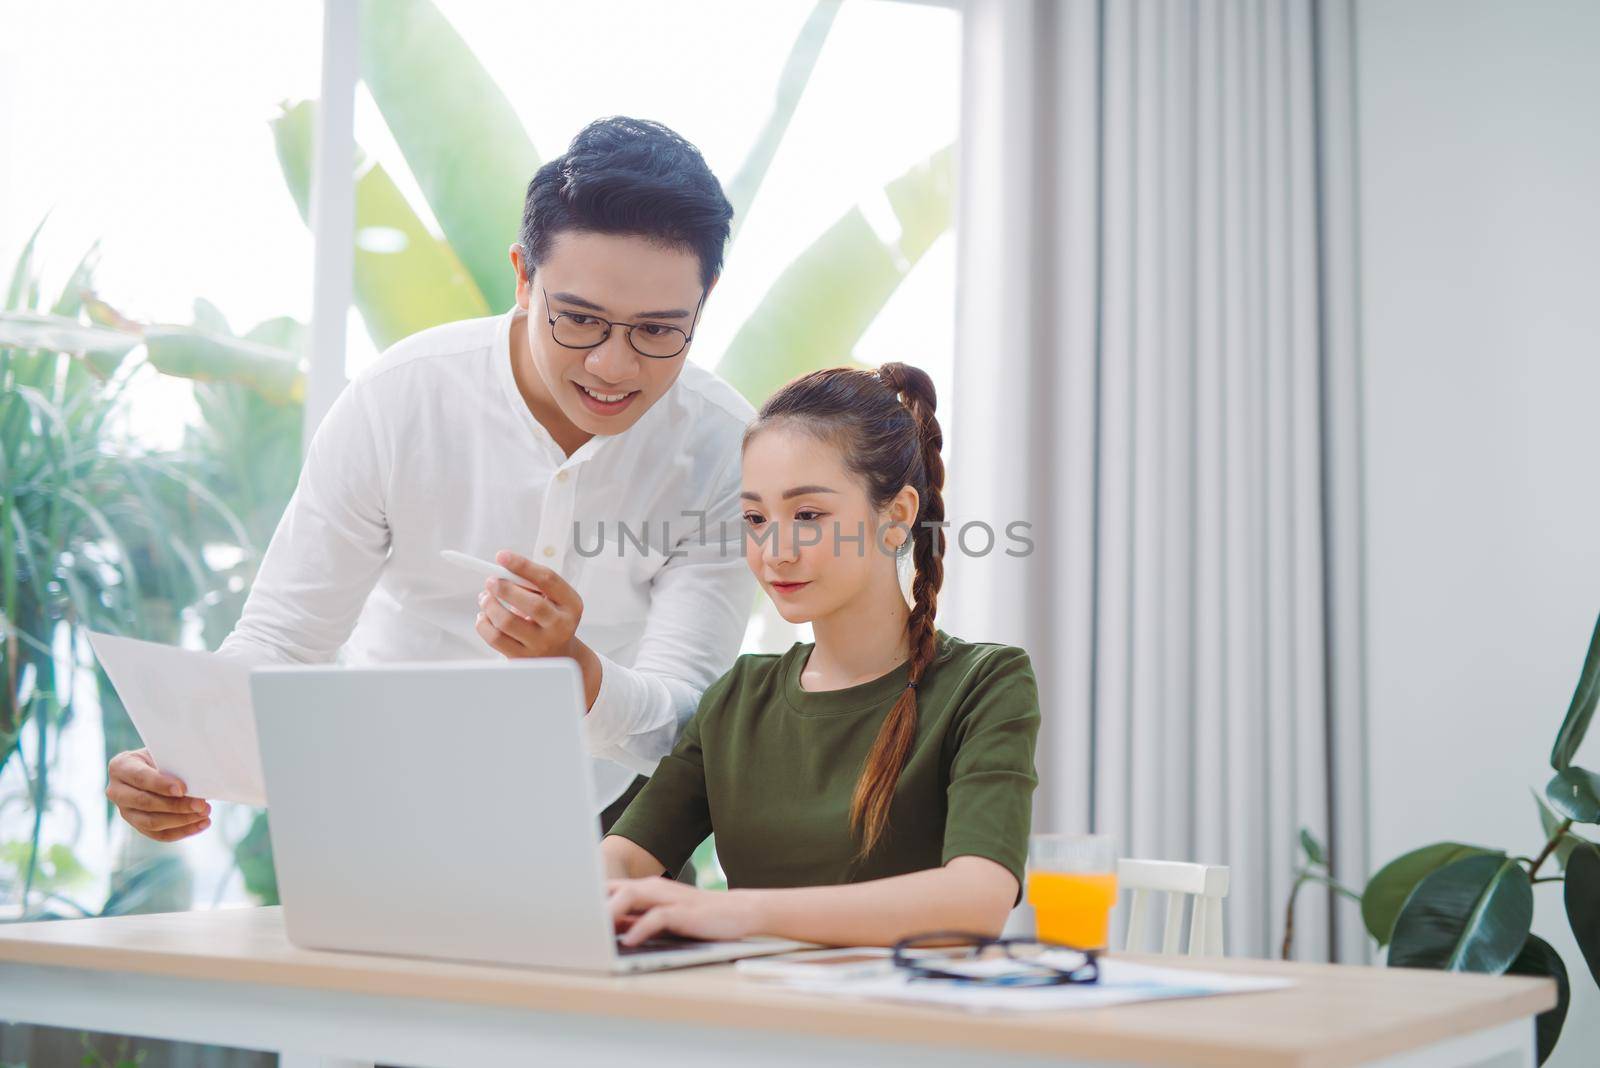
(885, 426)
(869, 805)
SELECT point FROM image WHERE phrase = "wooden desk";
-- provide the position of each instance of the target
(231, 977)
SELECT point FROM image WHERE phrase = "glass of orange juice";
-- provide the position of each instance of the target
(1072, 885)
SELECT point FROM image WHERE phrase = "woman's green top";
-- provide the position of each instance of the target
(770, 768)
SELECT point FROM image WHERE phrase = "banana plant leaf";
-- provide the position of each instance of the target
(187, 352)
(61, 333)
(1582, 894)
(207, 316)
(824, 301)
(207, 352)
(459, 134)
(1539, 958)
(1575, 794)
(1581, 712)
(796, 74)
(406, 279)
(1472, 915)
(1394, 882)
(1550, 822)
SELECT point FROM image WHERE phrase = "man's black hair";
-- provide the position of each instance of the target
(634, 177)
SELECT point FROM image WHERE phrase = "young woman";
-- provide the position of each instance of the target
(876, 784)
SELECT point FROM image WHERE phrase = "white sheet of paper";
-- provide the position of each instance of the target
(192, 709)
(1121, 983)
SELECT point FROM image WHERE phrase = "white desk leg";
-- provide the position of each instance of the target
(311, 1060)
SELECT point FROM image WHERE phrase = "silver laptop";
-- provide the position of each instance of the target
(444, 810)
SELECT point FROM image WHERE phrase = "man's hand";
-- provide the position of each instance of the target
(154, 804)
(644, 908)
(542, 621)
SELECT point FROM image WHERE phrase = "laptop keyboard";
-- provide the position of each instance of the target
(658, 944)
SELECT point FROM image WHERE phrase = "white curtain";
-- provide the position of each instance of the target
(1157, 369)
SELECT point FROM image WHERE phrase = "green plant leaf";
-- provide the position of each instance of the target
(1581, 711)
(283, 333)
(79, 283)
(1388, 890)
(1550, 822)
(1471, 915)
(23, 292)
(459, 134)
(1575, 794)
(792, 83)
(824, 301)
(406, 279)
(188, 352)
(254, 857)
(158, 884)
(59, 333)
(1314, 851)
(207, 316)
(708, 873)
(1539, 958)
(1582, 893)
(57, 869)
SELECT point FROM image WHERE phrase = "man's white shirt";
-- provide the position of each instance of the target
(434, 448)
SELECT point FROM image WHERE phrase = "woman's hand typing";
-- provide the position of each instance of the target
(644, 908)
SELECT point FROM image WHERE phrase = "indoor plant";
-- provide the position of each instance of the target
(1460, 907)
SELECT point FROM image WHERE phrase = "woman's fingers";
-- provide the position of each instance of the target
(629, 897)
(641, 909)
(646, 927)
(623, 900)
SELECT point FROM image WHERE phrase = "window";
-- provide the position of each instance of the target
(187, 158)
(831, 126)
(144, 131)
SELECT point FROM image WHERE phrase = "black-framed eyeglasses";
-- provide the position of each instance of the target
(927, 956)
(583, 330)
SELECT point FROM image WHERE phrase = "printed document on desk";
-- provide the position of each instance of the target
(1121, 982)
(192, 709)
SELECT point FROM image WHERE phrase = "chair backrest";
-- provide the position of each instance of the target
(1204, 884)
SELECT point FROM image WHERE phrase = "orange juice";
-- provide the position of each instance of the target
(1073, 908)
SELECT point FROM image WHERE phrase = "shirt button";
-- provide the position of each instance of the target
(549, 550)
(561, 476)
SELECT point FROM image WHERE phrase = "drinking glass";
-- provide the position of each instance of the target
(1072, 886)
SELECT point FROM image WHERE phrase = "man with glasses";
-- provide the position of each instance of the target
(570, 439)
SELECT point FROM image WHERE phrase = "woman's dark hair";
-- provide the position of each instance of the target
(634, 177)
(883, 425)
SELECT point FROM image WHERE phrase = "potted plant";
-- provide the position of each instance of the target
(1469, 908)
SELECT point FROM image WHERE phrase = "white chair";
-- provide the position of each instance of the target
(1206, 885)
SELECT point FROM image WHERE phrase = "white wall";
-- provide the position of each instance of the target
(1479, 133)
